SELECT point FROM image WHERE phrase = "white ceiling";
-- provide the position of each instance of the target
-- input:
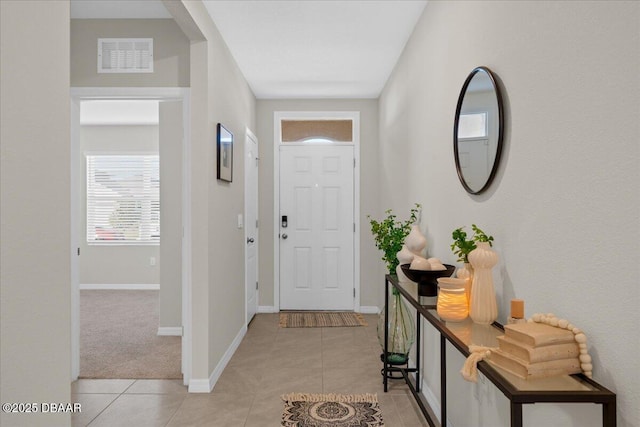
(316, 49)
(302, 48)
(118, 9)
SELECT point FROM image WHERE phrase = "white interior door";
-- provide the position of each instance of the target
(317, 235)
(251, 224)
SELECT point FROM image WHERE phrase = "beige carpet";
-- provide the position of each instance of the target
(320, 319)
(335, 410)
(118, 337)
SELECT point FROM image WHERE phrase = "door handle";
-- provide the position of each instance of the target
(284, 236)
(250, 240)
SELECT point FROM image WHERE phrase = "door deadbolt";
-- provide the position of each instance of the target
(284, 236)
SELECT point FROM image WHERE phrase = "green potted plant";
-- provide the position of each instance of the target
(462, 246)
(389, 235)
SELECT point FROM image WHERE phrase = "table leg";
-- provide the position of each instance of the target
(443, 380)
(609, 414)
(386, 334)
(516, 414)
(418, 346)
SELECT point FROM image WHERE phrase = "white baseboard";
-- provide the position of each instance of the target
(369, 309)
(206, 385)
(200, 386)
(120, 287)
(433, 401)
(426, 392)
(170, 331)
(364, 309)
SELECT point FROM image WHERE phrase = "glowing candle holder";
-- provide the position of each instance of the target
(517, 312)
(452, 304)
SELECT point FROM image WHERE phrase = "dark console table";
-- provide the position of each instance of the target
(561, 389)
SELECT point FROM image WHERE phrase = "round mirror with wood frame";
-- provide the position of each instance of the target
(478, 130)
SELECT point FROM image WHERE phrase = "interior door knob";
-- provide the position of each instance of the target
(284, 236)
(250, 240)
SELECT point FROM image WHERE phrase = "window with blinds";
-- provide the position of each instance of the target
(123, 199)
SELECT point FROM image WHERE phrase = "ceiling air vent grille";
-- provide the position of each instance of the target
(125, 55)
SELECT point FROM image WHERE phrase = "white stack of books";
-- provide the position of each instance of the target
(536, 350)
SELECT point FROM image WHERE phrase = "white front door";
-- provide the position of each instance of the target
(251, 224)
(317, 227)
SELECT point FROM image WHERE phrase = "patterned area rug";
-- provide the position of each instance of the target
(320, 319)
(331, 410)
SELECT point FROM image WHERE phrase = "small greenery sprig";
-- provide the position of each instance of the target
(462, 247)
(389, 235)
(480, 236)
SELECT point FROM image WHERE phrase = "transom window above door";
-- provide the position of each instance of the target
(316, 131)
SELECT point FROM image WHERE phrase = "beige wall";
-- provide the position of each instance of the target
(370, 282)
(35, 277)
(170, 52)
(565, 205)
(201, 166)
(171, 132)
(124, 264)
(219, 94)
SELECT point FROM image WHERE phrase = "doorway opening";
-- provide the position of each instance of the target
(128, 174)
(316, 241)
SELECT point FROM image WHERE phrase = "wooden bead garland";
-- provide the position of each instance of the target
(579, 336)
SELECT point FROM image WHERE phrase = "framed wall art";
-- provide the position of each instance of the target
(224, 153)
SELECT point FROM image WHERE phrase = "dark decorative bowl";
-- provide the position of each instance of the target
(427, 280)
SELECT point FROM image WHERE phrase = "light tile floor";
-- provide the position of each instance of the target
(269, 362)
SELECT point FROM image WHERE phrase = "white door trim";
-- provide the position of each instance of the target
(161, 93)
(75, 267)
(278, 116)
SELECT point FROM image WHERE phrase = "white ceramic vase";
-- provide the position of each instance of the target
(466, 273)
(483, 307)
(405, 256)
(415, 240)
